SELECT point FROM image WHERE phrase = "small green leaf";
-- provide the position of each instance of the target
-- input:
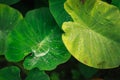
(36, 74)
(9, 17)
(58, 11)
(87, 71)
(76, 75)
(94, 36)
(9, 2)
(39, 36)
(54, 76)
(116, 3)
(10, 73)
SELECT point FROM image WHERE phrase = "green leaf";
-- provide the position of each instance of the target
(94, 36)
(9, 17)
(87, 71)
(116, 3)
(58, 11)
(36, 74)
(40, 3)
(55, 76)
(9, 2)
(10, 73)
(38, 37)
(108, 1)
(49, 51)
(76, 75)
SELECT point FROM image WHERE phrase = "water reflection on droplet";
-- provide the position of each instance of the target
(40, 53)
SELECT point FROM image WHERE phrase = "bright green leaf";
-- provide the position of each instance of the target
(116, 3)
(40, 36)
(58, 11)
(36, 74)
(94, 36)
(10, 73)
(9, 17)
(9, 2)
(49, 51)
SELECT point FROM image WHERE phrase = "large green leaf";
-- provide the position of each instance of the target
(9, 17)
(116, 3)
(94, 36)
(40, 36)
(58, 11)
(50, 51)
(9, 2)
(10, 73)
(36, 74)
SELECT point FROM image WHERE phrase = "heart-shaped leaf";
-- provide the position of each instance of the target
(50, 50)
(58, 11)
(9, 2)
(10, 73)
(94, 36)
(9, 17)
(36, 74)
(40, 36)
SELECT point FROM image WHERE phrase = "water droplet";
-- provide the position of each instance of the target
(40, 54)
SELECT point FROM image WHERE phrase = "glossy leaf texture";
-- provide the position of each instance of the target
(9, 17)
(9, 2)
(10, 73)
(58, 11)
(94, 36)
(116, 3)
(39, 39)
(36, 74)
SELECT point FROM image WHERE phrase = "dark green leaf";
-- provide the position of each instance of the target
(108, 1)
(54, 76)
(40, 3)
(10, 73)
(9, 2)
(76, 75)
(87, 71)
(36, 74)
(116, 3)
(9, 17)
(57, 10)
